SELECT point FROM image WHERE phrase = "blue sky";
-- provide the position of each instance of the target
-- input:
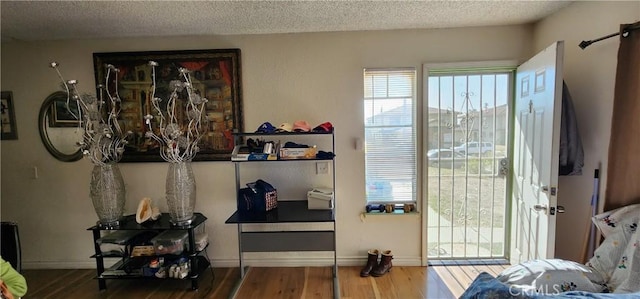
(448, 92)
(445, 92)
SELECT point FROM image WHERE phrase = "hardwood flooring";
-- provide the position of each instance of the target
(447, 281)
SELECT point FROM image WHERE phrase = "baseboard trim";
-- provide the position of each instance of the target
(233, 262)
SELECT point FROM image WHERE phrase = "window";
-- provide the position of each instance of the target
(390, 135)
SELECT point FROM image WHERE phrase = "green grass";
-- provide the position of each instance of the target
(458, 197)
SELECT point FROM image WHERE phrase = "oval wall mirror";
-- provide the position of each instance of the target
(59, 128)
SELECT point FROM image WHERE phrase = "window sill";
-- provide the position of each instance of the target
(396, 213)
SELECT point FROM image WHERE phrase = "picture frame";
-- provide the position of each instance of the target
(8, 127)
(62, 115)
(215, 73)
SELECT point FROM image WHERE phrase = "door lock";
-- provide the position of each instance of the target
(504, 166)
(545, 189)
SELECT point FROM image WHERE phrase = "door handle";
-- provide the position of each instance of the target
(560, 209)
(540, 208)
(545, 188)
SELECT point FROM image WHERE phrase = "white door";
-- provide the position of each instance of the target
(538, 107)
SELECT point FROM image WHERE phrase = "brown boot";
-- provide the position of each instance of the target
(372, 262)
(385, 264)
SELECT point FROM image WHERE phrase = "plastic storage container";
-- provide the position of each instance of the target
(116, 242)
(320, 199)
(170, 242)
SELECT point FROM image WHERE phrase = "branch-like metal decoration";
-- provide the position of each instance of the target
(103, 140)
(178, 139)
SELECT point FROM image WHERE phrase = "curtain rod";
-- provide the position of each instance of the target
(625, 31)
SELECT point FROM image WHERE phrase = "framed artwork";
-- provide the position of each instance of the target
(9, 130)
(63, 115)
(215, 75)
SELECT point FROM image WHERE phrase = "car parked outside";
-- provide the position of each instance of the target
(474, 148)
(446, 158)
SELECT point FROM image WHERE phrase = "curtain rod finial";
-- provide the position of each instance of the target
(584, 44)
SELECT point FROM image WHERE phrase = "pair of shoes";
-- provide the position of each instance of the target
(374, 267)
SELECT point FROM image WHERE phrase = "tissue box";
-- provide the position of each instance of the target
(290, 153)
(320, 199)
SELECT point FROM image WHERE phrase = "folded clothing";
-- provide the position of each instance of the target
(290, 144)
(325, 155)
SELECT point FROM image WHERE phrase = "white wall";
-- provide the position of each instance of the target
(317, 77)
(590, 76)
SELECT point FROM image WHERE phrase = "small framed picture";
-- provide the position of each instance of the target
(63, 115)
(9, 130)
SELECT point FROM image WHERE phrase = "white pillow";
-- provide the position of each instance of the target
(552, 276)
(608, 222)
(606, 257)
(626, 274)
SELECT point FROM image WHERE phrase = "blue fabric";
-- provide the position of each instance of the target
(576, 294)
(487, 286)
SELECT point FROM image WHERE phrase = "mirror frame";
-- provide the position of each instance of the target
(43, 124)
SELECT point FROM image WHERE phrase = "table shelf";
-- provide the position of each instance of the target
(198, 263)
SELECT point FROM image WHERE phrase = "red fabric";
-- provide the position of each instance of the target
(122, 73)
(224, 69)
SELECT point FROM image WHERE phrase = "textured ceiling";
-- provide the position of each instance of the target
(53, 20)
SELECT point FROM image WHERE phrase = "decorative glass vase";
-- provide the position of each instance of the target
(181, 192)
(107, 193)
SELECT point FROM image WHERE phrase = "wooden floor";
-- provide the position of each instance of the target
(264, 283)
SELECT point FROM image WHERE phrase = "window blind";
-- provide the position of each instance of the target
(390, 134)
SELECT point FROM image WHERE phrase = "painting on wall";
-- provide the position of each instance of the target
(9, 130)
(215, 75)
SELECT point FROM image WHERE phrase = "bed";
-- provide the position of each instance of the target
(612, 272)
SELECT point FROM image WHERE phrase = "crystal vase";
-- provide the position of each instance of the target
(181, 193)
(107, 193)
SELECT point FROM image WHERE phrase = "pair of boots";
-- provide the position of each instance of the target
(376, 268)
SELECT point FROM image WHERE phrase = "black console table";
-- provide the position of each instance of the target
(198, 262)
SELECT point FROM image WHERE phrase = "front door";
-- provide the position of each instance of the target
(538, 104)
